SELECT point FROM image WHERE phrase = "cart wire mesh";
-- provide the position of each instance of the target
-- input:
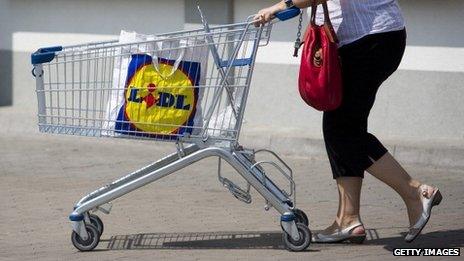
(80, 88)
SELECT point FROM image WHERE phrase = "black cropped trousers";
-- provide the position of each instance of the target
(366, 64)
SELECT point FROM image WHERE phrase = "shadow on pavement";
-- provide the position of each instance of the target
(436, 239)
(266, 240)
(212, 240)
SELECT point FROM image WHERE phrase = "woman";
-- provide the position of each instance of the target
(372, 39)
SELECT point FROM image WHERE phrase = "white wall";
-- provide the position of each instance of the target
(26, 25)
(421, 102)
(90, 17)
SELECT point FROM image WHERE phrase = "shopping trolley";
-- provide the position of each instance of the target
(75, 84)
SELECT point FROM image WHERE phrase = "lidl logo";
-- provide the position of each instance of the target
(159, 100)
(163, 99)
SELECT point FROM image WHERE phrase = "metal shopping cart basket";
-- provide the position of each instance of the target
(77, 84)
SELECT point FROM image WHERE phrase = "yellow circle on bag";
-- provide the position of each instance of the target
(158, 102)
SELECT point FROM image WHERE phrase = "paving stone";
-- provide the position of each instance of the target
(189, 215)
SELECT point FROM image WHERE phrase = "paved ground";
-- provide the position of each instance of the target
(188, 215)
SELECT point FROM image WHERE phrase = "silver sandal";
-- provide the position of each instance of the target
(427, 205)
(341, 236)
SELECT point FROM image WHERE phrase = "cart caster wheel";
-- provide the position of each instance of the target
(301, 217)
(302, 243)
(97, 222)
(90, 243)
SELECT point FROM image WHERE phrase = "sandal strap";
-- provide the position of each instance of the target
(355, 225)
(425, 188)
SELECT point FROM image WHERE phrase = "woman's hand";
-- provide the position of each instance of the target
(265, 15)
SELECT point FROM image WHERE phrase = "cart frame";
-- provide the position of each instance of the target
(190, 148)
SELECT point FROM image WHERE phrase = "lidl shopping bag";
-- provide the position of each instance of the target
(156, 88)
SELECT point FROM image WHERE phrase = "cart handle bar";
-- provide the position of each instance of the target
(281, 16)
(288, 13)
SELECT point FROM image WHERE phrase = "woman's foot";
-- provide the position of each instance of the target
(420, 210)
(352, 232)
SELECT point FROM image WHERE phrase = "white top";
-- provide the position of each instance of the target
(354, 19)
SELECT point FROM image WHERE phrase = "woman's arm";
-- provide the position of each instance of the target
(266, 14)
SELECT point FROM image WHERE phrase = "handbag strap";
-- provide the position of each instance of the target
(312, 19)
(327, 23)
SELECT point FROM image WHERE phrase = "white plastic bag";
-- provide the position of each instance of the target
(179, 56)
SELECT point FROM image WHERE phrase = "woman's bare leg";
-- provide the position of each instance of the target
(389, 171)
(349, 191)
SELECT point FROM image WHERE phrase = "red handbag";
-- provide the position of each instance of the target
(320, 79)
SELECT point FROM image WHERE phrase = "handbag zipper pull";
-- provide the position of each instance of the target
(297, 47)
